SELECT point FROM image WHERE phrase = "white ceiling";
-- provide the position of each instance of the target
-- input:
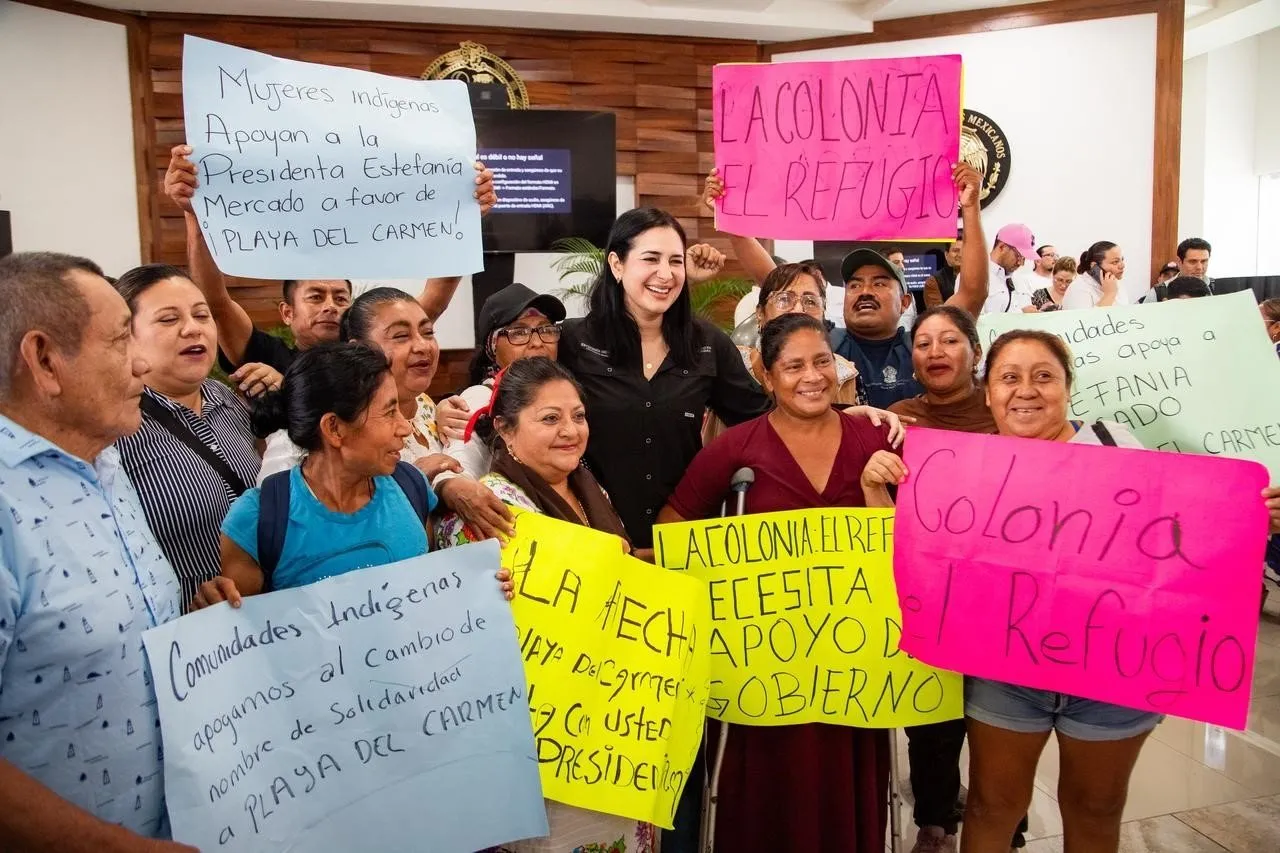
(1210, 23)
(759, 20)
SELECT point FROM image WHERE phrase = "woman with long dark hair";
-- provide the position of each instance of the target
(649, 369)
(1098, 284)
(811, 786)
(195, 452)
(535, 426)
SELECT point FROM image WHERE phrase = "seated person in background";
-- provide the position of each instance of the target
(311, 308)
(940, 286)
(1187, 287)
(802, 787)
(536, 427)
(1270, 309)
(1050, 298)
(394, 323)
(351, 504)
(1098, 284)
(515, 323)
(1159, 291)
(196, 451)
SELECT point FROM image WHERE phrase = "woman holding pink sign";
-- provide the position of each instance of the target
(1027, 388)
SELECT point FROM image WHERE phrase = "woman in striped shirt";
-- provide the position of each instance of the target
(195, 452)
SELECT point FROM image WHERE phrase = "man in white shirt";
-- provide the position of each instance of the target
(1014, 244)
(1042, 269)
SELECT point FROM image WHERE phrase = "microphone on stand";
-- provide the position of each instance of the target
(742, 480)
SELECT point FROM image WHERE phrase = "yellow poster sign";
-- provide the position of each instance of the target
(617, 658)
(805, 620)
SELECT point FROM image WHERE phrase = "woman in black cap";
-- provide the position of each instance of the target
(515, 323)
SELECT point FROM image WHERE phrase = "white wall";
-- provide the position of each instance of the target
(1195, 81)
(1072, 181)
(1267, 138)
(1231, 178)
(1230, 137)
(66, 144)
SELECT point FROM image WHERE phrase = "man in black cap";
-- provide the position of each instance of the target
(876, 294)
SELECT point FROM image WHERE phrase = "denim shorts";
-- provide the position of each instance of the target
(1025, 709)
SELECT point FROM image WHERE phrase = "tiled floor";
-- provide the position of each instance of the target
(1197, 788)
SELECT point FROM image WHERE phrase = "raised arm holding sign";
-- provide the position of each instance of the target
(1182, 375)
(308, 170)
(852, 150)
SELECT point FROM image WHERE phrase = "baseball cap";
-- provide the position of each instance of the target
(859, 258)
(513, 300)
(1020, 238)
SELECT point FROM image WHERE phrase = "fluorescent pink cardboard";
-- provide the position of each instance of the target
(854, 150)
(1127, 576)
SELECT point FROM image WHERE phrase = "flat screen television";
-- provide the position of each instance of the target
(556, 175)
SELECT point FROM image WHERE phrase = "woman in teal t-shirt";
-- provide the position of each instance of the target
(346, 510)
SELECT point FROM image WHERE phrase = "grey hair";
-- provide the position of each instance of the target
(36, 292)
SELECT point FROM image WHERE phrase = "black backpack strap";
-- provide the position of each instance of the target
(273, 523)
(179, 430)
(1103, 434)
(414, 485)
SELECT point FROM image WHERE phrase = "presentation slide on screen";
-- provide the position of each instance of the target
(530, 180)
(919, 268)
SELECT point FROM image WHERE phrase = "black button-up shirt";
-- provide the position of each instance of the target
(644, 433)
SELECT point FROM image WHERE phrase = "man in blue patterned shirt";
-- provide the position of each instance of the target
(81, 576)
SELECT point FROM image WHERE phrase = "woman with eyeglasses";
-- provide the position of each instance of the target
(515, 323)
(800, 289)
(790, 288)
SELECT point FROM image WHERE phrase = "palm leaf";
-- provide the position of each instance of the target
(578, 258)
(576, 246)
(580, 292)
(714, 299)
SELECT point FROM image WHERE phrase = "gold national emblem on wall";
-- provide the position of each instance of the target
(473, 63)
(984, 147)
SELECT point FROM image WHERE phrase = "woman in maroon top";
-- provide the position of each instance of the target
(814, 786)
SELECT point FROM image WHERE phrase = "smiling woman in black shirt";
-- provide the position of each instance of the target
(650, 369)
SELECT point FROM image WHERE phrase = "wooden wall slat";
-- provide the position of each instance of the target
(659, 88)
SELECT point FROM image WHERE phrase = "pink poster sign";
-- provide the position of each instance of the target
(854, 150)
(1127, 576)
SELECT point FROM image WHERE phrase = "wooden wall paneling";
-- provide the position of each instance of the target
(659, 89)
(1168, 141)
(84, 10)
(138, 38)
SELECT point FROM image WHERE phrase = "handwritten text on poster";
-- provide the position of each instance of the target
(310, 171)
(283, 717)
(1097, 580)
(851, 150)
(1183, 375)
(616, 655)
(805, 620)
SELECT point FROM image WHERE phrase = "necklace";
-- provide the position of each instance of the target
(577, 504)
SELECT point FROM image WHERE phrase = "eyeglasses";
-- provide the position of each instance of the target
(785, 300)
(518, 336)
